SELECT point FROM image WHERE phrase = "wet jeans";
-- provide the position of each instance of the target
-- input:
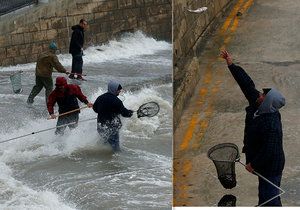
(266, 191)
(109, 135)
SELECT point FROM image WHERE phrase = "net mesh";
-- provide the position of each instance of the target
(227, 200)
(16, 82)
(224, 157)
(149, 109)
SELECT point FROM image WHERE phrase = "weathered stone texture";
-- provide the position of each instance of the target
(188, 29)
(23, 38)
(12, 51)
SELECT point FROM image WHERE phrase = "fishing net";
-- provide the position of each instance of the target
(224, 157)
(16, 82)
(149, 109)
(227, 200)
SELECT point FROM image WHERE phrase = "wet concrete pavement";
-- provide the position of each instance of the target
(264, 40)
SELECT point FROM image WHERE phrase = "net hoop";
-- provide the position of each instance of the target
(149, 109)
(224, 157)
(211, 152)
(16, 82)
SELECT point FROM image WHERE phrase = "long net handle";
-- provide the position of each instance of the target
(264, 178)
(47, 129)
(69, 112)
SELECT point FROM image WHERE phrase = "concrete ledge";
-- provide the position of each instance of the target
(187, 49)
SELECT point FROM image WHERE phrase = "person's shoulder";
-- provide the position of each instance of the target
(73, 87)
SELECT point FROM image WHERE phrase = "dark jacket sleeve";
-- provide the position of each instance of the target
(51, 102)
(57, 65)
(123, 111)
(245, 82)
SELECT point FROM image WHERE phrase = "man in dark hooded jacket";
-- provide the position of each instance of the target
(263, 133)
(109, 107)
(76, 48)
(66, 95)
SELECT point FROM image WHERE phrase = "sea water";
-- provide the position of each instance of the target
(78, 171)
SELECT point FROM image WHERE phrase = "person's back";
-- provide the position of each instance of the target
(108, 107)
(45, 64)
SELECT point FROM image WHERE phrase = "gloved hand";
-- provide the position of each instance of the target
(52, 116)
(130, 113)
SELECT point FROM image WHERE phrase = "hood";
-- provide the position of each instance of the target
(61, 81)
(272, 103)
(76, 27)
(113, 87)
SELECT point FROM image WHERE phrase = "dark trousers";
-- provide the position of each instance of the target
(40, 83)
(267, 191)
(77, 64)
(66, 119)
(109, 135)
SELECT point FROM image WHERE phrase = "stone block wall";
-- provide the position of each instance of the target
(189, 30)
(25, 35)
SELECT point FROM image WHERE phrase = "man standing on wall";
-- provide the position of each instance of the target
(76, 49)
(43, 73)
(262, 134)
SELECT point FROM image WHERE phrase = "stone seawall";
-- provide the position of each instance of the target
(27, 33)
(190, 32)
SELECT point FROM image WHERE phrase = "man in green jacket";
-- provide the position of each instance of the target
(43, 73)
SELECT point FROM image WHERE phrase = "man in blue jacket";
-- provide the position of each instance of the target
(109, 107)
(263, 133)
(76, 48)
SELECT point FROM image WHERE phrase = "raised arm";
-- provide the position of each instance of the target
(242, 78)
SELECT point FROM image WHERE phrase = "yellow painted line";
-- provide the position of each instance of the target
(246, 6)
(187, 166)
(202, 92)
(243, 10)
(207, 80)
(235, 23)
(204, 122)
(231, 16)
(189, 134)
(181, 191)
(184, 168)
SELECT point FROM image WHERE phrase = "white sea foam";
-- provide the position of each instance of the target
(130, 45)
(16, 195)
(47, 143)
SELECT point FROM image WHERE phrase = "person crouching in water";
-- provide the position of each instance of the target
(66, 95)
(109, 107)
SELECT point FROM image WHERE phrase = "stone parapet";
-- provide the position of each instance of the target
(189, 31)
(27, 33)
